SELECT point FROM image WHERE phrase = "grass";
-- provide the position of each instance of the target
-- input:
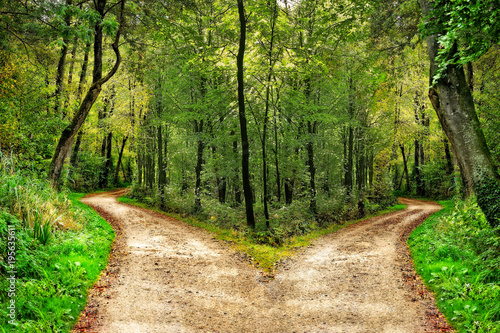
(457, 254)
(53, 279)
(264, 255)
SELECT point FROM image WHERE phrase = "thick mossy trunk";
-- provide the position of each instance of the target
(452, 100)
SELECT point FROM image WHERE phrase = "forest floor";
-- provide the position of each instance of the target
(167, 276)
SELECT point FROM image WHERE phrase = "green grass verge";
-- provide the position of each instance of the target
(52, 280)
(266, 256)
(457, 254)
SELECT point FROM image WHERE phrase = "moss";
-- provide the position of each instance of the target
(488, 198)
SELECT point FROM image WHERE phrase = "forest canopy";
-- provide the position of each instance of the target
(331, 108)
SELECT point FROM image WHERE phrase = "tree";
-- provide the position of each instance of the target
(67, 136)
(245, 152)
(452, 100)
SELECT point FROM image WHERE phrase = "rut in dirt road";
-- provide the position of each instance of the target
(177, 278)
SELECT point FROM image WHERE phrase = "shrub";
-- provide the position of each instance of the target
(458, 254)
(60, 252)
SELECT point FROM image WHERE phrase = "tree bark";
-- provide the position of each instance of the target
(107, 164)
(237, 190)
(83, 72)
(162, 171)
(245, 171)
(69, 133)
(452, 100)
(199, 165)
(120, 154)
(276, 159)
(70, 73)
(311, 126)
(350, 162)
(418, 177)
(405, 162)
(73, 161)
(140, 166)
(61, 65)
(221, 189)
(370, 170)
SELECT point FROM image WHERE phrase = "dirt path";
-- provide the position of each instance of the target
(171, 277)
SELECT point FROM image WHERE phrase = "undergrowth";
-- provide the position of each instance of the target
(261, 245)
(457, 254)
(52, 250)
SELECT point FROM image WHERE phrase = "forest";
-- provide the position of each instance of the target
(266, 121)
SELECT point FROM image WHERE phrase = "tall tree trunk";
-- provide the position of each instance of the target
(140, 166)
(405, 162)
(104, 182)
(73, 161)
(418, 178)
(162, 172)
(345, 137)
(370, 169)
(73, 57)
(61, 65)
(119, 163)
(237, 190)
(422, 121)
(83, 72)
(349, 181)
(221, 189)
(361, 180)
(245, 170)
(451, 98)
(265, 197)
(276, 159)
(69, 133)
(70, 73)
(199, 166)
(274, 15)
(151, 165)
(311, 126)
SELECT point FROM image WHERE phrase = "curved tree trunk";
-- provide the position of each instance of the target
(69, 133)
(452, 100)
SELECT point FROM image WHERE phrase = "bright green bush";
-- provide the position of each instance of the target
(53, 279)
(61, 247)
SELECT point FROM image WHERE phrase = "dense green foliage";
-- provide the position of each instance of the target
(458, 255)
(338, 119)
(470, 29)
(56, 265)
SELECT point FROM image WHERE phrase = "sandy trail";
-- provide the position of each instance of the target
(177, 278)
